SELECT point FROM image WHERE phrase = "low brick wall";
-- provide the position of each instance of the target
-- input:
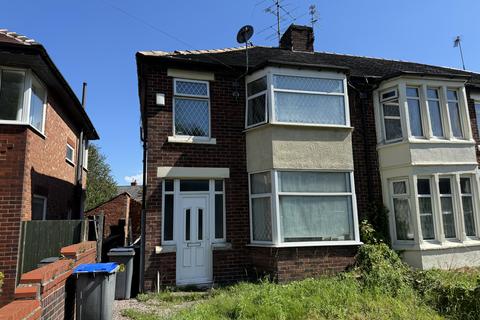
(46, 293)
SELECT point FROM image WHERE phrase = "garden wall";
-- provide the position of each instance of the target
(48, 293)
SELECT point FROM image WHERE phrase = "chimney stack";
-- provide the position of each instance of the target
(298, 38)
(133, 183)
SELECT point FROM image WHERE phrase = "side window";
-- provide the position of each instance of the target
(256, 102)
(70, 152)
(39, 207)
(392, 122)
(191, 108)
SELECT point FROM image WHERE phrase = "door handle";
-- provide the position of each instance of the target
(194, 244)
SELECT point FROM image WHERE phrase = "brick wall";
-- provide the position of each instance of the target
(114, 209)
(12, 150)
(31, 163)
(227, 124)
(46, 293)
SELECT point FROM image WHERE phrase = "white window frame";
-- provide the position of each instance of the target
(261, 195)
(474, 206)
(454, 196)
(26, 98)
(270, 72)
(423, 84)
(401, 196)
(422, 111)
(71, 161)
(211, 215)
(277, 237)
(248, 98)
(460, 118)
(432, 196)
(192, 97)
(45, 199)
(394, 102)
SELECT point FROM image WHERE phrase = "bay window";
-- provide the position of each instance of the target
(444, 201)
(191, 104)
(431, 109)
(309, 207)
(297, 97)
(22, 98)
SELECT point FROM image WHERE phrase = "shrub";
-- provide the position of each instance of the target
(381, 268)
(377, 216)
(453, 293)
(1, 281)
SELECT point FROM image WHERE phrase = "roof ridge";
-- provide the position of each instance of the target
(18, 37)
(396, 60)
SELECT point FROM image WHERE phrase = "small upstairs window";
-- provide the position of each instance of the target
(11, 94)
(257, 102)
(191, 108)
(70, 152)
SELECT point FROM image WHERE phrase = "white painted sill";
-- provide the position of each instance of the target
(195, 140)
(301, 125)
(436, 245)
(306, 244)
(383, 145)
(216, 246)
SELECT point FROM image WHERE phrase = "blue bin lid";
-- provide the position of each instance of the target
(109, 267)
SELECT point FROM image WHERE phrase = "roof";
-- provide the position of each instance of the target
(20, 51)
(134, 191)
(259, 56)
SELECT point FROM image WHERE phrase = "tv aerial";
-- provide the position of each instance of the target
(243, 35)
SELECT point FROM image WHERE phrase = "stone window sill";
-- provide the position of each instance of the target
(195, 140)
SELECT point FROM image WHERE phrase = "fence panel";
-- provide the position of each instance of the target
(44, 238)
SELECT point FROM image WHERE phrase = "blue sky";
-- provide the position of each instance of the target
(96, 41)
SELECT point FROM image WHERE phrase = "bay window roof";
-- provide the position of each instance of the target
(20, 52)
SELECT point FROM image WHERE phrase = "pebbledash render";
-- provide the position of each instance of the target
(268, 170)
(44, 132)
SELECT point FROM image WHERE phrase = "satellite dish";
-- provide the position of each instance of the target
(244, 34)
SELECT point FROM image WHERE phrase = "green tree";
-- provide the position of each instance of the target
(100, 184)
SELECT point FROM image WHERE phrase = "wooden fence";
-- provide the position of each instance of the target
(41, 239)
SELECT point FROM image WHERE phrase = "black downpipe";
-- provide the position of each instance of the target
(144, 138)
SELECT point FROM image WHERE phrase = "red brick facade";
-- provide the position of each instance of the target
(121, 207)
(32, 163)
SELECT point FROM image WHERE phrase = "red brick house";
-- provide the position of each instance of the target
(270, 168)
(44, 131)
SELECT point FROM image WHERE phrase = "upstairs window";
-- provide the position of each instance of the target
(191, 108)
(70, 152)
(414, 112)
(22, 98)
(257, 102)
(454, 113)
(392, 122)
(309, 100)
(435, 112)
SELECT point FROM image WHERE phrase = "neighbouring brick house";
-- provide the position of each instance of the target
(122, 211)
(43, 134)
(270, 168)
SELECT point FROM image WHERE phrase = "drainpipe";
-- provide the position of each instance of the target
(144, 138)
(80, 155)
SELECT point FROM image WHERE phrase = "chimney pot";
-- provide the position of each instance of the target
(133, 183)
(298, 38)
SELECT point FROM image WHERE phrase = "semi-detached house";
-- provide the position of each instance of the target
(269, 169)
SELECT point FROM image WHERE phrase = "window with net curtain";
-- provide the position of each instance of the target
(401, 211)
(315, 206)
(309, 100)
(261, 198)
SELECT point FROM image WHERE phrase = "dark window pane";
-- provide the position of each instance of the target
(256, 110)
(256, 86)
(187, 225)
(218, 185)
(432, 93)
(11, 93)
(468, 216)
(391, 110)
(194, 185)
(168, 185)
(465, 185)
(218, 216)
(389, 94)
(445, 187)
(200, 224)
(393, 129)
(412, 92)
(452, 95)
(38, 206)
(423, 186)
(168, 218)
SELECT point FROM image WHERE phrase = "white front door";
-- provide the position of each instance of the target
(194, 252)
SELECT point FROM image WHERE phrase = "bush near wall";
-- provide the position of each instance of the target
(1, 281)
